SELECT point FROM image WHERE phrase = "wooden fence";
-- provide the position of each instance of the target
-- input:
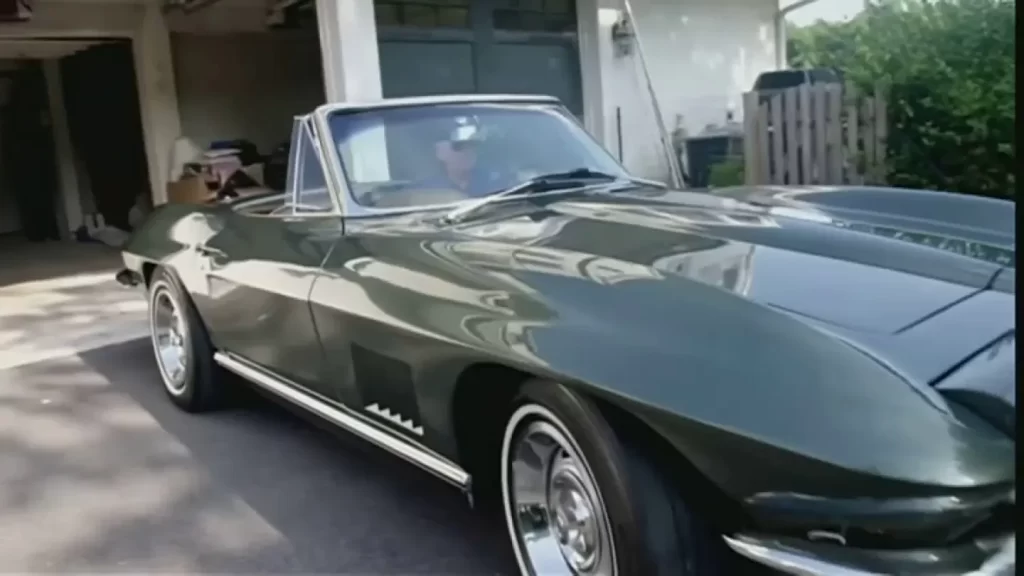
(814, 134)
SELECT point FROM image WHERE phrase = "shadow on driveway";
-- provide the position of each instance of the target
(100, 473)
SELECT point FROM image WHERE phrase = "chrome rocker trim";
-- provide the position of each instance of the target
(349, 420)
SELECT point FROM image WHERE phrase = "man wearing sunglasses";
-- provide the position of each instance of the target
(458, 151)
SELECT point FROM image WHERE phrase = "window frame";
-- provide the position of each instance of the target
(401, 5)
(571, 16)
(297, 157)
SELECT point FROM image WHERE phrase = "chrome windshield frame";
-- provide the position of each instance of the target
(303, 126)
(350, 208)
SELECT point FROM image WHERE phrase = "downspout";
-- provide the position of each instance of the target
(781, 38)
(675, 170)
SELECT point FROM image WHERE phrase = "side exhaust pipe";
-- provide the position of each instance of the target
(128, 278)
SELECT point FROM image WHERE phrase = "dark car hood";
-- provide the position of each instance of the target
(899, 295)
(873, 289)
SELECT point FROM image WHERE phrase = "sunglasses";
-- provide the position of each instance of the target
(460, 145)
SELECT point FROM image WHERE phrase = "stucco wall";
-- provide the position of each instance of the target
(702, 56)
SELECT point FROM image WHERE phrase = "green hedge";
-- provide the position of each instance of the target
(729, 172)
(948, 68)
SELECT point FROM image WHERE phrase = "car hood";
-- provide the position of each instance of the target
(761, 322)
(867, 281)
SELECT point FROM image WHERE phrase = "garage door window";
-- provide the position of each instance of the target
(422, 13)
(535, 15)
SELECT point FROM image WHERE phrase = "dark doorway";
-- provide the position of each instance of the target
(101, 98)
(29, 154)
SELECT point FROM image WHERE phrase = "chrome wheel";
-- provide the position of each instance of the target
(553, 507)
(170, 338)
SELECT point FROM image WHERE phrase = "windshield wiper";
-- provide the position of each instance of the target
(576, 180)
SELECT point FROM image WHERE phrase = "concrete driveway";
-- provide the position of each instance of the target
(100, 474)
(59, 298)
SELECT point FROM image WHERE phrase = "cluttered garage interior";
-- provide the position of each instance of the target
(111, 107)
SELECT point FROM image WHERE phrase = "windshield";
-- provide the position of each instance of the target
(425, 155)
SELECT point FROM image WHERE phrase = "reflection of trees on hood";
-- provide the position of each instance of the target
(523, 229)
(499, 256)
(426, 283)
(566, 245)
(727, 266)
(678, 219)
(511, 335)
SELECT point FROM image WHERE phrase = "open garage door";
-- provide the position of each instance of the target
(39, 194)
(28, 157)
(105, 124)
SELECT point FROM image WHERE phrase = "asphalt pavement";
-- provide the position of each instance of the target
(99, 473)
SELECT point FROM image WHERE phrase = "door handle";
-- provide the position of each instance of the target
(209, 252)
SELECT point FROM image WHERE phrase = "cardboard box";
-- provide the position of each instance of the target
(190, 190)
(202, 182)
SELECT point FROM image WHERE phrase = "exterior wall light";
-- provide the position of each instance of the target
(623, 36)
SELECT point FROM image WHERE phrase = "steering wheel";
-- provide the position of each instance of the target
(371, 196)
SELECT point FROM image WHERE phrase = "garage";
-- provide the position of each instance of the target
(82, 149)
(242, 73)
(71, 143)
(102, 102)
(73, 155)
(221, 72)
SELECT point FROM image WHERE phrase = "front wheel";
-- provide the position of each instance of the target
(579, 500)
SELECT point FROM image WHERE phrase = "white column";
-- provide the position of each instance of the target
(610, 81)
(158, 97)
(351, 63)
(348, 47)
(594, 43)
(67, 174)
(781, 36)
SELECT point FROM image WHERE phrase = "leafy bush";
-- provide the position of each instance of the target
(729, 172)
(948, 66)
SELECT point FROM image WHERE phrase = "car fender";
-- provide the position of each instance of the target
(738, 386)
(168, 238)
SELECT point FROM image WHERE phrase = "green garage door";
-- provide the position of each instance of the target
(432, 47)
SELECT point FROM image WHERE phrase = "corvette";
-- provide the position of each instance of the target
(641, 380)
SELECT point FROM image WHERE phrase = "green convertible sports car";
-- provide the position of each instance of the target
(643, 381)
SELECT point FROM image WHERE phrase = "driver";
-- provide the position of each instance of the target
(457, 153)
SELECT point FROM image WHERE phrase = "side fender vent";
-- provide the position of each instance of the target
(386, 387)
